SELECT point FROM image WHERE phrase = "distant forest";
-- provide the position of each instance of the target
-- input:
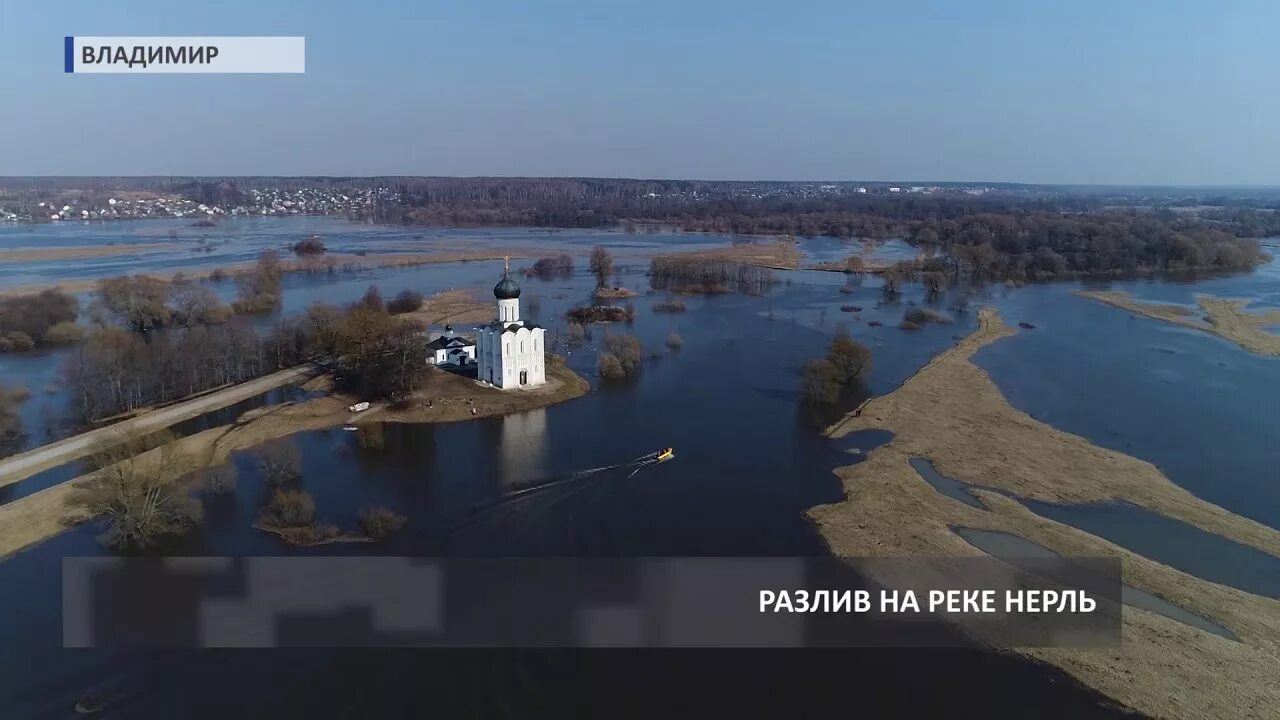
(1006, 229)
(1002, 234)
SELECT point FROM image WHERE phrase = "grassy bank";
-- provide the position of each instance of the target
(953, 414)
(1225, 318)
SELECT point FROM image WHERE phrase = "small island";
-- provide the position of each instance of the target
(1228, 319)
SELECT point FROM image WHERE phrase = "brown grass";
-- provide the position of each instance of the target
(776, 254)
(869, 265)
(459, 307)
(604, 293)
(77, 253)
(1225, 318)
(953, 414)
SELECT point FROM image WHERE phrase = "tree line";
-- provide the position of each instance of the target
(1043, 245)
(371, 351)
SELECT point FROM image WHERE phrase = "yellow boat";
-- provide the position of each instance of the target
(666, 454)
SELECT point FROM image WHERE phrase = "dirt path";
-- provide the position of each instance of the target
(951, 413)
(24, 465)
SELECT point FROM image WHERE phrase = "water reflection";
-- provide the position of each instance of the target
(1011, 548)
(523, 448)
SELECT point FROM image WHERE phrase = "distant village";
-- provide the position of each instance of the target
(59, 206)
(134, 205)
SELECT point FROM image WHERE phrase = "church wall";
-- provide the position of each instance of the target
(509, 353)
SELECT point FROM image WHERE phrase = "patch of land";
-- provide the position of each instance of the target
(616, 293)
(333, 262)
(953, 414)
(869, 265)
(77, 253)
(776, 254)
(43, 514)
(1223, 317)
(459, 307)
(452, 397)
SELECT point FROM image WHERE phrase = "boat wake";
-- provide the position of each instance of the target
(580, 477)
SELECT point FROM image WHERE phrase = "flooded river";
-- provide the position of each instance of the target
(750, 460)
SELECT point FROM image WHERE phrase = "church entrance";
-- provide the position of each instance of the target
(524, 377)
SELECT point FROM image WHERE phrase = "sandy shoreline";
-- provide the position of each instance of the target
(44, 514)
(1226, 318)
(953, 414)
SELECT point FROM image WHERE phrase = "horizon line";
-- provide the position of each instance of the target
(917, 182)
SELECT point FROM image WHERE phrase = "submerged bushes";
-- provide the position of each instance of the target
(40, 319)
(846, 362)
(671, 305)
(378, 523)
(700, 275)
(553, 266)
(622, 359)
(289, 508)
(311, 246)
(601, 314)
(916, 317)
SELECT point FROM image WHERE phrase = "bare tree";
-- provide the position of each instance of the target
(280, 462)
(601, 264)
(198, 305)
(137, 301)
(137, 488)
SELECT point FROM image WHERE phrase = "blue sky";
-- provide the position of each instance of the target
(1129, 91)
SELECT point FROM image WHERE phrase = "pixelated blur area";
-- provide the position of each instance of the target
(572, 602)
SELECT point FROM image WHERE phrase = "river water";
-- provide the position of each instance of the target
(750, 461)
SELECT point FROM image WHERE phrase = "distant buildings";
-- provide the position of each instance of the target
(451, 350)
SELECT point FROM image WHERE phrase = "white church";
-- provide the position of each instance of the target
(510, 353)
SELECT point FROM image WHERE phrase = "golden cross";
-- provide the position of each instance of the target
(506, 264)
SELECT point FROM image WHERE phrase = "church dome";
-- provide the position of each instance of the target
(506, 289)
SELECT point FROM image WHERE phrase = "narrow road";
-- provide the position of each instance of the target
(24, 465)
